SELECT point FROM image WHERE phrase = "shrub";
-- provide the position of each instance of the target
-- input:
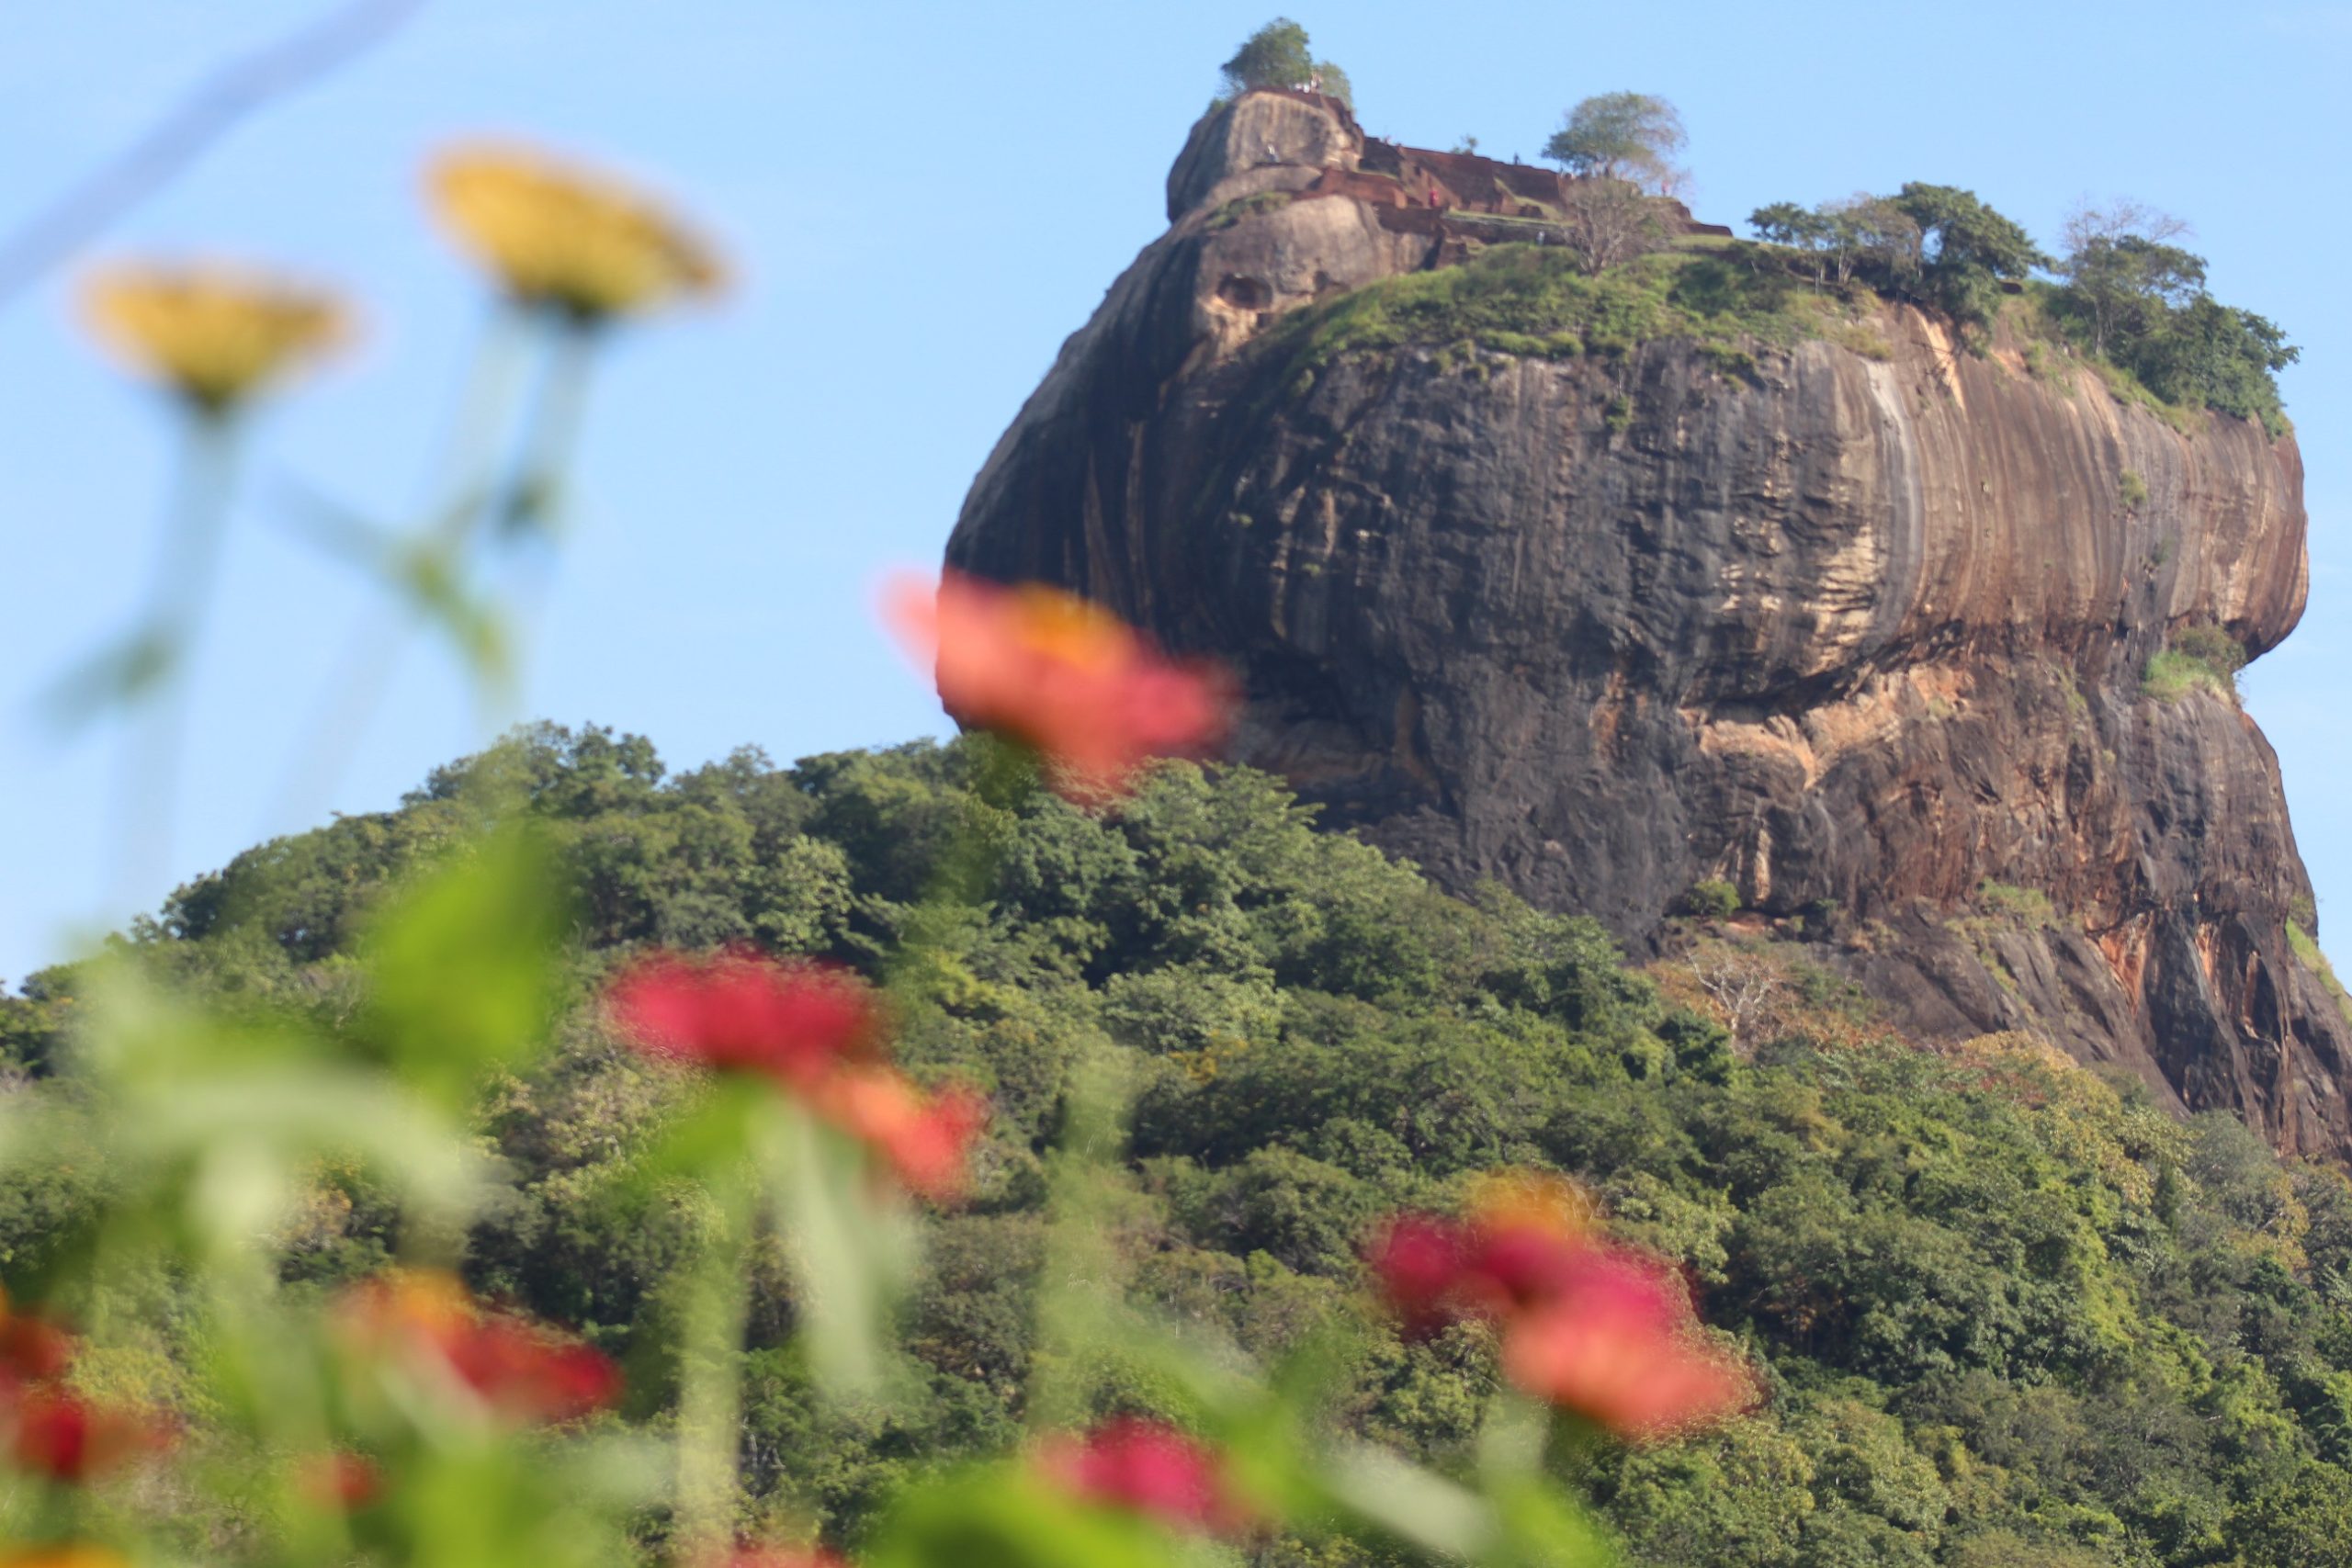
(1713, 899)
(2026, 906)
(2201, 656)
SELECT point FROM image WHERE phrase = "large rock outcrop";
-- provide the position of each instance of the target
(1861, 635)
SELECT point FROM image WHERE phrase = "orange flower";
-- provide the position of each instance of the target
(1594, 1328)
(516, 1369)
(1149, 1468)
(1059, 674)
(926, 1139)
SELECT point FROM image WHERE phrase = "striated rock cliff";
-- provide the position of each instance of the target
(1860, 633)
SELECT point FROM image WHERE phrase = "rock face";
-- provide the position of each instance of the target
(1861, 636)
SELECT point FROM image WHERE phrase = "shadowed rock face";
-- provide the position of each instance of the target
(1851, 633)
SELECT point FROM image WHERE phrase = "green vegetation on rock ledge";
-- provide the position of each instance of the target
(2199, 656)
(2014, 1314)
(1536, 301)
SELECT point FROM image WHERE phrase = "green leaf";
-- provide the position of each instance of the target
(1005, 1516)
(852, 1241)
(464, 966)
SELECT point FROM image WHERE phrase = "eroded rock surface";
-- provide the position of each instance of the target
(1858, 635)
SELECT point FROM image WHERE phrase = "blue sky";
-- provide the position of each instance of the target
(923, 201)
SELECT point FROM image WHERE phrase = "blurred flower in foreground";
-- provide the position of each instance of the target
(816, 1032)
(49, 1429)
(773, 1557)
(1147, 1467)
(793, 1023)
(216, 335)
(63, 1557)
(1058, 674)
(63, 1436)
(345, 1482)
(516, 1369)
(927, 1139)
(559, 235)
(1594, 1328)
(32, 1349)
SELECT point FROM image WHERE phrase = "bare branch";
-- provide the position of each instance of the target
(228, 94)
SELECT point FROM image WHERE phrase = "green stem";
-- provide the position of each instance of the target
(534, 495)
(187, 568)
(710, 1390)
(1079, 1283)
(362, 676)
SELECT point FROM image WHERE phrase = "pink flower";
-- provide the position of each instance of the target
(1047, 669)
(1149, 1468)
(793, 1023)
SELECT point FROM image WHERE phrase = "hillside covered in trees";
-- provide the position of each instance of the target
(2011, 1312)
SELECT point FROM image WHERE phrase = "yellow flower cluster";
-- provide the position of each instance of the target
(214, 333)
(559, 235)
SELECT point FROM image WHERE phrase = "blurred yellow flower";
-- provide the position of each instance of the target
(556, 234)
(215, 334)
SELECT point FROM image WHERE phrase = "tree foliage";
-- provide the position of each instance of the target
(2013, 1313)
(1632, 137)
(1280, 55)
(2127, 295)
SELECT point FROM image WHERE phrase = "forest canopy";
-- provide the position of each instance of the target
(2012, 1313)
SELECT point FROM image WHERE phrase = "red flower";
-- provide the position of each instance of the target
(813, 1030)
(63, 1436)
(32, 1349)
(341, 1481)
(773, 1557)
(1055, 672)
(1592, 1328)
(1149, 1468)
(519, 1370)
(519, 1367)
(1421, 1261)
(927, 1140)
(792, 1023)
(1524, 1238)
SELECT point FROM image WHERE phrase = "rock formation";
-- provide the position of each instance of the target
(1862, 634)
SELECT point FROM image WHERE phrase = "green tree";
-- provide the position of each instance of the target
(2122, 274)
(1966, 249)
(1279, 55)
(2213, 355)
(1632, 137)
